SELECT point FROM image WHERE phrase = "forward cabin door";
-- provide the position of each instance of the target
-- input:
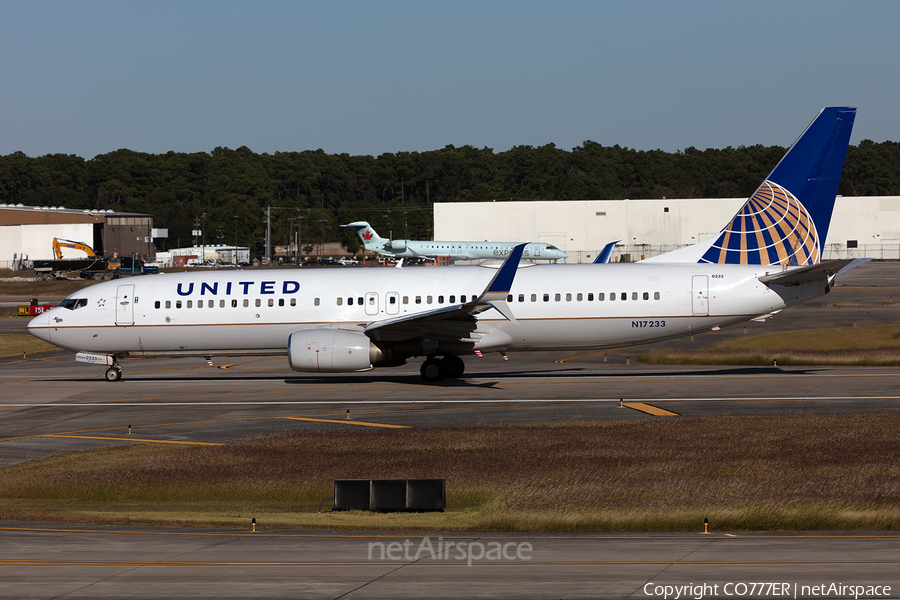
(125, 305)
(700, 295)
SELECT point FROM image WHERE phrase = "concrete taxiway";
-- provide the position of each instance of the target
(64, 561)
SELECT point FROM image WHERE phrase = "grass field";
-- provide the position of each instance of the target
(742, 473)
(846, 346)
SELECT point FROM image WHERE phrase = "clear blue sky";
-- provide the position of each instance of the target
(88, 77)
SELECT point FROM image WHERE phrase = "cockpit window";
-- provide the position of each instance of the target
(549, 247)
(73, 303)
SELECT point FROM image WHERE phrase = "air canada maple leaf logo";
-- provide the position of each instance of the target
(367, 235)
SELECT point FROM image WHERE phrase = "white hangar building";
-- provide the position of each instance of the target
(861, 226)
(28, 231)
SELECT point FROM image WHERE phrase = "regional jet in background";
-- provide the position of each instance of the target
(345, 320)
(454, 250)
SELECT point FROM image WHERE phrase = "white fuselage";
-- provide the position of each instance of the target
(463, 250)
(554, 306)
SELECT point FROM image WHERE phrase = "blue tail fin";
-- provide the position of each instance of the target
(786, 221)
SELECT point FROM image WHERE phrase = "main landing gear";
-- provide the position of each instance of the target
(114, 373)
(436, 369)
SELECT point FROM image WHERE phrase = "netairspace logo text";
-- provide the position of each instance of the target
(409, 551)
(764, 590)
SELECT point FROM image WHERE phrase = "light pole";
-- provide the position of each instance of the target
(322, 247)
(235, 240)
(299, 238)
(203, 239)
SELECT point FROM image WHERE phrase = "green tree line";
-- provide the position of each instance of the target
(394, 191)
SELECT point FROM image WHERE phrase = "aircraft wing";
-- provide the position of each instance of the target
(456, 321)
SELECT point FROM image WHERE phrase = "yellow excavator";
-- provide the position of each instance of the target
(90, 267)
(59, 244)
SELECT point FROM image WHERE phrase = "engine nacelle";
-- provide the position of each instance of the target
(397, 245)
(326, 350)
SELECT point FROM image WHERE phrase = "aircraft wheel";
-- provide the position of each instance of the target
(432, 370)
(452, 366)
(113, 374)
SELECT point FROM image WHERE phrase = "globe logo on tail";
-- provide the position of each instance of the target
(773, 227)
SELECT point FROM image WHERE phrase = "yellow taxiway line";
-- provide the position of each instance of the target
(346, 422)
(650, 409)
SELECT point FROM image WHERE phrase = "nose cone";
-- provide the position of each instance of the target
(39, 327)
(562, 254)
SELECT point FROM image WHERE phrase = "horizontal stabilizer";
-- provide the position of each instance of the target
(799, 276)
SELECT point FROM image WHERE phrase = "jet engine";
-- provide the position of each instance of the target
(397, 245)
(327, 350)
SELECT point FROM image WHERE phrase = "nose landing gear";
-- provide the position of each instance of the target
(114, 373)
(435, 369)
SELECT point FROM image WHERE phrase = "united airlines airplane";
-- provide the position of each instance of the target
(454, 250)
(343, 320)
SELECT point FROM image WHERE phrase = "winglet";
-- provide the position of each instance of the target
(498, 289)
(604, 255)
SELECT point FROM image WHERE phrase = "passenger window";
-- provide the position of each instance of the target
(349, 302)
(557, 297)
(340, 301)
(440, 299)
(579, 297)
(189, 303)
(521, 297)
(359, 301)
(624, 295)
(392, 300)
(221, 303)
(405, 299)
(168, 304)
(156, 304)
(258, 303)
(272, 302)
(234, 304)
(462, 298)
(200, 303)
(634, 295)
(316, 302)
(418, 299)
(246, 303)
(509, 298)
(646, 295)
(371, 300)
(452, 299)
(178, 304)
(534, 297)
(546, 297)
(281, 302)
(656, 295)
(568, 297)
(612, 296)
(293, 302)
(427, 299)
(601, 297)
(591, 297)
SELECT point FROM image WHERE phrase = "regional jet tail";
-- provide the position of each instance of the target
(453, 250)
(332, 320)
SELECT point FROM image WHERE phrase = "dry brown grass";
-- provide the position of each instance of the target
(743, 473)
